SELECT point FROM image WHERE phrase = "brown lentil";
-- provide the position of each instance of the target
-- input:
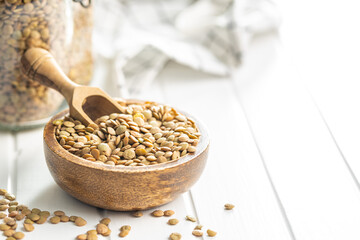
(42, 220)
(198, 227)
(175, 236)
(28, 227)
(101, 228)
(28, 221)
(105, 221)
(190, 218)
(9, 221)
(4, 227)
(137, 214)
(169, 213)
(20, 217)
(157, 213)
(173, 221)
(72, 218)
(3, 207)
(229, 206)
(55, 220)
(11, 209)
(33, 217)
(107, 233)
(81, 237)
(124, 233)
(80, 222)
(18, 235)
(10, 196)
(197, 233)
(4, 202)
(44, 213)
(64, 218)
(36, 211)
(13, 214)
(92, 237)
(91, 232)
(59, 213)
(211, 233)
(9, 233)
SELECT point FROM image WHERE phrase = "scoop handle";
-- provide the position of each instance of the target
(39, 65)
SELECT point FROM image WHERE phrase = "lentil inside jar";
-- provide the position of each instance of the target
(62, 27)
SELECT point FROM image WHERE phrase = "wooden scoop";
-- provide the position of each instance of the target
(86, 103)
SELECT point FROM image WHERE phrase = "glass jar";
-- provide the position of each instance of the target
(63, 27)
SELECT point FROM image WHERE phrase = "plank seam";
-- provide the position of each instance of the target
(355, 179)
(268, 175)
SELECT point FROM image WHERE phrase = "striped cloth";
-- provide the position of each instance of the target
(206, 35)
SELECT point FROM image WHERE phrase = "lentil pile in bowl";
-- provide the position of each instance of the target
(144, 133)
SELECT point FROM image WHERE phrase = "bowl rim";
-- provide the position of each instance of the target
(55, 147)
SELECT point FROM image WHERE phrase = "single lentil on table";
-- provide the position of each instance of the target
(142, 134)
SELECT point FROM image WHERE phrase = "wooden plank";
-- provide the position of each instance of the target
(149, 227)
(332, 77)
(7, 148)
(318, 193)
(36, 188)
(234, 172)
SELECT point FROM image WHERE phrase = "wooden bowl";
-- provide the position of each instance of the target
(122, 188)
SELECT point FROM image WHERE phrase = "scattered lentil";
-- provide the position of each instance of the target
(33, 217)
(59, 213)
(4, 227)
(105, 221)
(81, 237)
(197, 233)
(175, 236)
(157, 213)
(18, 235)
(173, 221)
(123, 233)
(28, 227)
(229, 206)
(64, 218)
(10, 196)
(55, 220)
(80, 222)
(169, 213)
(211, 233)
(190, 218)
(9, 232)
(198, 227)
(124, 230)
(137, 214)
(101, 228)
(28, 221)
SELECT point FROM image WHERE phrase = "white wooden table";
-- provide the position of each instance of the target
(285, 139)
